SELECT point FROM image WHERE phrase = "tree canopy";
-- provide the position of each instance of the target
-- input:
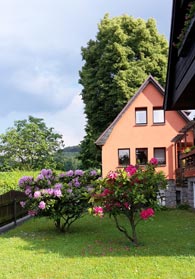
(30, 144)
(126, 50)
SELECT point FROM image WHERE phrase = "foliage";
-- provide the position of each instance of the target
(30, 144)
(131, 192)
(126, 50)
(190, 11)
(9, 180)
(95, 249)
(67, 158)
(64, 197)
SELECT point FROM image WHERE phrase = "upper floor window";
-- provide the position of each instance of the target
(160, 155)
(158, 116)
(124, 157)
(141, 156)
(141, 115)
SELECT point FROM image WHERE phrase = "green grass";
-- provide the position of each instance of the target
(95, 249)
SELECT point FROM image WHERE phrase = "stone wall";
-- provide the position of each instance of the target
(170, 194)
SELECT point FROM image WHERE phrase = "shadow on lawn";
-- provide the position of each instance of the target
(170, 234)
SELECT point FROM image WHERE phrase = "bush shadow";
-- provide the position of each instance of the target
(170, 234)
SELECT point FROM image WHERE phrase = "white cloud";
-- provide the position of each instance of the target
(40, 45)
(69, 122)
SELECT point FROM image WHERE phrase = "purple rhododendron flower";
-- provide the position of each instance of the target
(90, 189)
(58, 186)
(93, 172)
(69, 173)
(69, 190)
(79, 172)
(25, 179)
(57, 193)
(37, 194)
(50, 191)
(40, 177)
(61, 175)
(28, 190)
(76, 182)
(22, 204)
(46, 173)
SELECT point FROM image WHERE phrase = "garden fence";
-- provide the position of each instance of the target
(10, 208)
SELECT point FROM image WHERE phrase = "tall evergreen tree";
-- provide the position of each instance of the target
(126, 50)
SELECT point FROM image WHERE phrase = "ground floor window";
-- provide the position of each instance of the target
(141, 156)
(124, 156)
(160, 155)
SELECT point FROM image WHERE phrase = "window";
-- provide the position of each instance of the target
(158, 115)
(141, 156)
(124, 157)
(160, 155)
(141, 115)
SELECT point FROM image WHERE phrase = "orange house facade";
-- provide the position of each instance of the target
(143, 130)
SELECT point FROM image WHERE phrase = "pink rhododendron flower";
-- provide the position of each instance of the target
(154, 161)
(42, 205)
(146, 213)
(98, 211)
(32, 212)
(37, 194)
(131, 170)
(106, 192)
(112, 175)
(126, 205)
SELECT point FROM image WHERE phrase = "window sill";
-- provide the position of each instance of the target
(158, 124)
(141, 125)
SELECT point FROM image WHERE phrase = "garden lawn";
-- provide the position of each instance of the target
(95, 249)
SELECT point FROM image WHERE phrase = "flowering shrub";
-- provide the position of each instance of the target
(131, 192)
(63, 197)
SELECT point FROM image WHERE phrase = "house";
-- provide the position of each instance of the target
(180, 81)
(180, 92)
(185, 164)
(143, 130)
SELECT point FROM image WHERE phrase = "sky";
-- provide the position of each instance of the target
(40, 56)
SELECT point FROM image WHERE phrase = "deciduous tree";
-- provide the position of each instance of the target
(126, 50)
(30, 144)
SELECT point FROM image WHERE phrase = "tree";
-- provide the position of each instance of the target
(126, 50)
(30, 144)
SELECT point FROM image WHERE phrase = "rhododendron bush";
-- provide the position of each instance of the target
(131, 192)
(63, 197)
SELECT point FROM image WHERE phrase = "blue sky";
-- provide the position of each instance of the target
(40, 56)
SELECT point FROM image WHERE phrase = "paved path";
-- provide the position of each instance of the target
(12, 225)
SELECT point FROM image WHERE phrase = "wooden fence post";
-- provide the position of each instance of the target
(15, 213)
